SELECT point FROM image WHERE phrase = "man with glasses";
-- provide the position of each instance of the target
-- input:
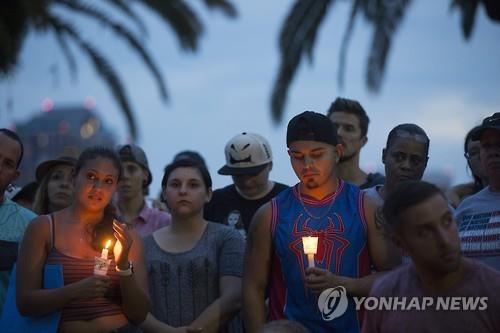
(249, 161)
(478, 216)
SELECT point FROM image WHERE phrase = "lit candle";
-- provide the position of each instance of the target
(310, 245)
(104, 253)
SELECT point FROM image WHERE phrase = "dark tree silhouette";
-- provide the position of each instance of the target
(20, 17)
(299, 31)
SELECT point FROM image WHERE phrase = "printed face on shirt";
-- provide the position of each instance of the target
(10, 152)
(132, 180)
(60, 187)
(95, 183)
(349, 133)
(314, 162)
(185, 192)
(404, 159)
(429, 234)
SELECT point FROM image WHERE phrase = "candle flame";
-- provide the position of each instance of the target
(108, 243)
(310, 244)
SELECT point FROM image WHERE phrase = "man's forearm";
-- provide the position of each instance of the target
(254, 311)
(362, 286)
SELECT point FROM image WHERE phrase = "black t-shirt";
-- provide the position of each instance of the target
(373, 179)
(229, 207)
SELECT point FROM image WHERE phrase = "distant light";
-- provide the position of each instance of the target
(89, 128)
(64, 127)
(47, 105)
(89, 102)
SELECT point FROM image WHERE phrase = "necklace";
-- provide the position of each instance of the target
(85, 233)
(314, 217)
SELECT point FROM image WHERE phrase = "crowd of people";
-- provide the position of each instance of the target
(235, 259)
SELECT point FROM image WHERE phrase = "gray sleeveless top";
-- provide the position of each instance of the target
(184, 284)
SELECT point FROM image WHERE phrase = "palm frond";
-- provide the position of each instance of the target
(386, 18)
(297, 37)
(225, 6)
(13, 29)
(124, 7)
(70, 59)
(345, 42)
(101, 65)
(183, 20)
(122, 32)
(492, 9)
(468, 10)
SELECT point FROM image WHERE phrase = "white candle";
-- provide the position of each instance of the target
(310, 245)
(104, 253)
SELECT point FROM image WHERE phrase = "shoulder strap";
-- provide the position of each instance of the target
(52, 230)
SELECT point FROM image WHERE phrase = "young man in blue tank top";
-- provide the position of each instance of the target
(321, 205)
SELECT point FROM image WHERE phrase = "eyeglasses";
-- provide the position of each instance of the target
(471, 154)
(406, 134)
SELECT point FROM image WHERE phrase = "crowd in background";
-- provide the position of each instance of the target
(199, 259)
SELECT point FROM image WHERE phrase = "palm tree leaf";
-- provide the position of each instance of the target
(468, 10)
(124, 7)
(223, 5)
(492, 9)
(386, 19)
(297, 37)
(181, 18)
(345, 41)
(102, 66)
(70, 59)
(13, 29)
(124, 33)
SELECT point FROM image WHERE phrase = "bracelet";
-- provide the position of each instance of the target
(125, 272)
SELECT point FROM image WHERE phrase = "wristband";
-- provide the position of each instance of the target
(125, 272)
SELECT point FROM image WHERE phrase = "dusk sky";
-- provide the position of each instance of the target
(434, 78)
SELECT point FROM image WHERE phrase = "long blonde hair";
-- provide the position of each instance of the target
(41, 203)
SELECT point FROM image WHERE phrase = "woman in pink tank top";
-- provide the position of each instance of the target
(73, 237)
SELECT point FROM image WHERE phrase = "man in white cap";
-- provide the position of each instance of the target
(249, 161)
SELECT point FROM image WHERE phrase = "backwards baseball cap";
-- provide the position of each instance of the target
(246, 153)
(491, 122)
(68, 157)
(133, 153)
(311, 126)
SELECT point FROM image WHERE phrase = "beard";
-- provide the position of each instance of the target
(346, 158)
(311, 184)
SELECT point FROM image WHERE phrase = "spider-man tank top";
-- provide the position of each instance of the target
(339, 223)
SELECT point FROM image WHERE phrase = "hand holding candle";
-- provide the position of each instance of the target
(310, 245)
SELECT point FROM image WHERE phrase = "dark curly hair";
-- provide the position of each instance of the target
(104, 229)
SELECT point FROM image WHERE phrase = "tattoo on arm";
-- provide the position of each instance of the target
(380, 222)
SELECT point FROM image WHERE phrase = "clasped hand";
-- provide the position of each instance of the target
(318, 279)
